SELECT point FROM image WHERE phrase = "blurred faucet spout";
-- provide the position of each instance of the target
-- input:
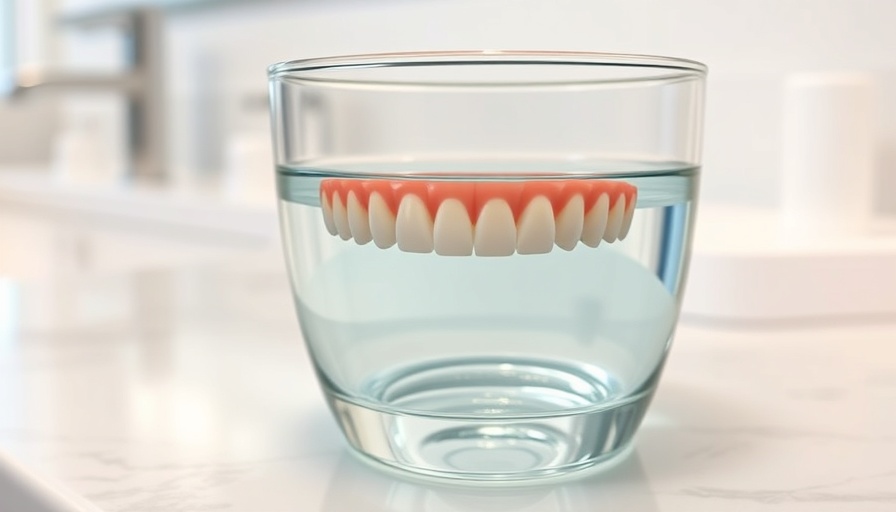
(28, 80)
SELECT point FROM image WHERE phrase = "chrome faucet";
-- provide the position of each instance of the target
(141, 82)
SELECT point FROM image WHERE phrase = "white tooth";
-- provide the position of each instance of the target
(340, 218)
(413, 227)
(452, 230)
(328, 214)
(595, 222)
(614, 219)
(382, 221)
(569, 223)
(495, 233)
(535, 233)
(357, 220)
(627, 218)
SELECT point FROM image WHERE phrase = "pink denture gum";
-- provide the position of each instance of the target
(456, 218)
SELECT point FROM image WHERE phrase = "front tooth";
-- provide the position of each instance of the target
(627, 219)
(595, 222)
(614, 219)
(328, 214)
(495, 233)
(413, 226)
(340, 218)
(535, 233)
(569, 223)
(357, 220)
(452, 230)
(382, 221)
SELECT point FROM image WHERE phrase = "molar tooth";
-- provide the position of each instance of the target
(569, 223)
(327, 210)
(452, 230)
(413, 226)
(595, 222)
(357, 220)
(340, 218)
(382, 221)
(614, 219)
(495, 231)
(535, 232)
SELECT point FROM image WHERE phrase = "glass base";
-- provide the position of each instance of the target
(490, 420)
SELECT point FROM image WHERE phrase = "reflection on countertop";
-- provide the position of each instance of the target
(355, 486)
(182, 384)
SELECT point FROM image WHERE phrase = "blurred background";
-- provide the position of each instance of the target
(135, 148)
(202, 171)
(216, 52)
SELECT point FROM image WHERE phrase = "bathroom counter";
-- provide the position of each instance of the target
(198, 210)
(185, 387)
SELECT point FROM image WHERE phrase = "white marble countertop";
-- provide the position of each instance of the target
(185, 387)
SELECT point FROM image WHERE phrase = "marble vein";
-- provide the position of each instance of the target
(773, 432)
(786, 496)
(822, 493)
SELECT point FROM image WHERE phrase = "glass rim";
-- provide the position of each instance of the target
(312, 70)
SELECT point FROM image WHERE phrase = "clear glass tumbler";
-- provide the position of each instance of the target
(487, 249)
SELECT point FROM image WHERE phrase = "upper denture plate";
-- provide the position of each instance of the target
(569, 223)
(327, 210)
(595, 222)
(452, 230)
(495, 232)
(614, 219)
(340, 218)
(382, 221)
(535, 231)
(413, 226)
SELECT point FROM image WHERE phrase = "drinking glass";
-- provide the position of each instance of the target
(487, 248)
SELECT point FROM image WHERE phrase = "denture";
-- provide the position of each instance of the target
(456, 218)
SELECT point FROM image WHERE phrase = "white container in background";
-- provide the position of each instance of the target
(90, 147)
(249, 168)
(832, 258)
(828, 154)
(248, 156)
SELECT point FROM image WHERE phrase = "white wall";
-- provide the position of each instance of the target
(218, 59)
